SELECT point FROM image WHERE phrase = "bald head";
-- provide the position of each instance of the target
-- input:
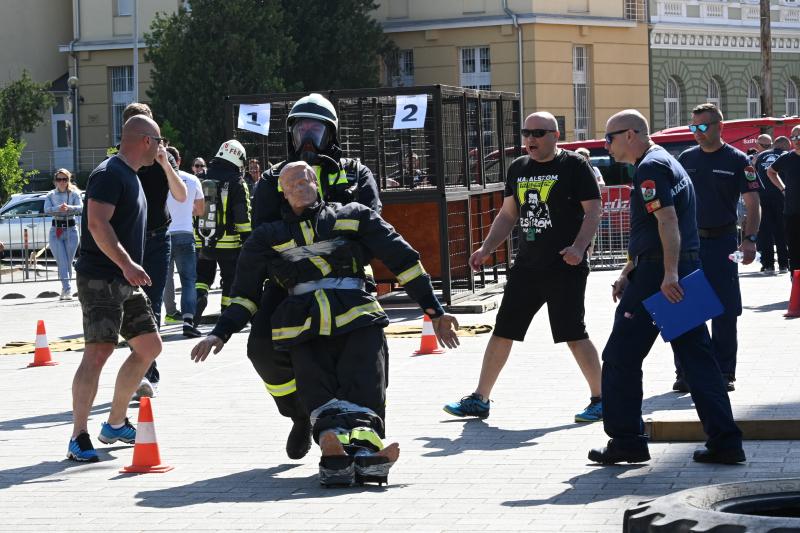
(629, 119)
(541, 120)
(139, 125)
(782, 143)
(138, 145)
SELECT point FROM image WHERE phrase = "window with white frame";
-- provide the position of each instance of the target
(713, 92)
(125, 8)
(121, 96)
(580, 90)
(672, 103)
(401, 69)
(791, 98)
(753, 99)
(475, 66)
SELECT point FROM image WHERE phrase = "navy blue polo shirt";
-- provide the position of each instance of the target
(788, 168)
(660, 181)
(762, 163)
(719, 178)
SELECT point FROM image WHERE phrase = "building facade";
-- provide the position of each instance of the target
(582, 60)
(710, 51)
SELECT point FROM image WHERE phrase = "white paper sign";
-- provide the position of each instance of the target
(410, 112)
(254, 117)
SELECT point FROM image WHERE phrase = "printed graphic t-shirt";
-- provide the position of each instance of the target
(788, 168)
(549, 197)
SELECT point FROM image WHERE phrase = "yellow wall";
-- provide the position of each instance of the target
(100, 23)
(417, 10)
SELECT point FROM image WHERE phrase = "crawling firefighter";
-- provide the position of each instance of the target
(330, 325)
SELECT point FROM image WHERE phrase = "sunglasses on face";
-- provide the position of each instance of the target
(538, 133)
(795, 138)
(765, 146)
(198, 165)
(62, 179)
(610, 135)
(701, 127)
(159, 140)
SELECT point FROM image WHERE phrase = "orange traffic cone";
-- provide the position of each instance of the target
(794, 299)
(428, 344)
(146, 458)
(41, 355)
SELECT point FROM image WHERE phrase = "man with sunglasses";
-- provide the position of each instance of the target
(158, 179)
(785, 175)
(553, 195)
(663, 247)
(720, 174)
(312, 136)
(771, 233)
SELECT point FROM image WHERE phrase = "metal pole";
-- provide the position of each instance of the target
(74, 95)
(766, 61)
(135, 51)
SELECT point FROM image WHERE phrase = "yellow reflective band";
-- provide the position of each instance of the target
(324, 312)
(368, 269)
(201, 286)
(339, 178)
(357, 311)
(285, 246)
(244, 228)
(321, 264)
(226, 301)
(244, 302)
(281, 390)
(366, 434)
(344, 438)
(346, 224)
(410, 274)
(308, 231)
(290, 332)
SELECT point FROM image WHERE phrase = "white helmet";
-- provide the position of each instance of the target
(233, 152)
(314, 106)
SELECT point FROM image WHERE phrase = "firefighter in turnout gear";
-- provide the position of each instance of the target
(329, 324)
(225, 225)
(311, 127)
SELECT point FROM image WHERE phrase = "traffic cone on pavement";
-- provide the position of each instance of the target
(428, 344)
(794, 299)
(41, 355)
(146, 458)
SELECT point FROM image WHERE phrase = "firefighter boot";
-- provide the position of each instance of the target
(299, 441)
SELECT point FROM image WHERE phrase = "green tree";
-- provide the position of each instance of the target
(339, 44)
(219, 49)
(23, 106)
(12, 177)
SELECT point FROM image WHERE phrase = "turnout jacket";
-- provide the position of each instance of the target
(327, 242)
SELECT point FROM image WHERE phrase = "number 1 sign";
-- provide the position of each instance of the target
(254, 117)
(410, 112)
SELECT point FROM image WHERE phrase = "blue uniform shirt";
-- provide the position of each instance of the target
(659, 182)
(762, 163)
(719, 178)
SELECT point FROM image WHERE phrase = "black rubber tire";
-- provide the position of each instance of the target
(701, 509)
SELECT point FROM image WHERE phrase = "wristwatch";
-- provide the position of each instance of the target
(751, 238)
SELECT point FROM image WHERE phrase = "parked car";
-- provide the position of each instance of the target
(25, 212)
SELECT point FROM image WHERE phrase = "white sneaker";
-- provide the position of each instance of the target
(66, 294)
(145, 389)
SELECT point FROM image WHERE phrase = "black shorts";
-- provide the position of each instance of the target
(562, 289)
(112, 308)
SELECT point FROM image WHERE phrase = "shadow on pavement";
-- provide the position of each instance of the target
(777, 306)
(256, 485)
(477, 435)
(52, 420)
(27, 475)
(667, 401)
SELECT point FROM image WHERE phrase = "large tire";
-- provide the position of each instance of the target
(717, 508)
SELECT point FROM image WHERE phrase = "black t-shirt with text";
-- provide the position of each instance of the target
(762, 163)
(115, 183)
(549, 197)
(788, 168)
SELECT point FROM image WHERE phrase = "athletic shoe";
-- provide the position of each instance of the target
(145, 389)
(471, 405)
(592, 413)
(66, 294)
(80, 449)
(190, 331)
(109, 435)
(174, 318)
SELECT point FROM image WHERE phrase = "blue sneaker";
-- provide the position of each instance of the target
(109, 435)
(80, 449)
(592, 413)
(471, 405)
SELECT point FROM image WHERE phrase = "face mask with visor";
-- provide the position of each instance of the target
(307, 132)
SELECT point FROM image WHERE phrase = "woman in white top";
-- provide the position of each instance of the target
(63, 203)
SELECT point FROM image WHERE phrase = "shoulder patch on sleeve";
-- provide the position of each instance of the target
(750, 173)
(648, 188)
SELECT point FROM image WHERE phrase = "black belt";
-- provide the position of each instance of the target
(713, 233)
(63, 223)
(149, 234)
(659, 257)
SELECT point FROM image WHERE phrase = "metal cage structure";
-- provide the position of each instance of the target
(441, 185)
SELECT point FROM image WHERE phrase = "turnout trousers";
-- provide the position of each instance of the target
(206, 272)
(631, 339)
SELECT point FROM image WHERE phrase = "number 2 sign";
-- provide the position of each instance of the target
(254, 117)
(410, 112)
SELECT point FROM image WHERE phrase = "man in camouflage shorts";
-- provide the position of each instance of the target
(110, 276)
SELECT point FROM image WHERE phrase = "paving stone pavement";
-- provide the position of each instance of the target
(524, 468)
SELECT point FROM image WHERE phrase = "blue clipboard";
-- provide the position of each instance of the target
(700, 304)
